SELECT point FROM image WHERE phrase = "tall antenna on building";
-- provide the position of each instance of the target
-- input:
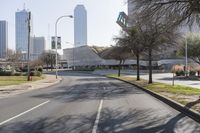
(24, 6)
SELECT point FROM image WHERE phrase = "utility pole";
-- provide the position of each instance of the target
(29, 31)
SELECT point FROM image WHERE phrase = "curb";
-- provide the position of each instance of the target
(185, 110)
(54, 84)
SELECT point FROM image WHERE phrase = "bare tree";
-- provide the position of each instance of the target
(14, 58)
(35, 63)
(131, 40)
(153, 34)
(187, 11)
(118, 53)
(49, 58)
(157, 35)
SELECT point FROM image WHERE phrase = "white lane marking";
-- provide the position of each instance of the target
(24, 112)
(95, 127)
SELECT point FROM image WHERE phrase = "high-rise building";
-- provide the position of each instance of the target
(80, 26)
(38, 47)
(21, 31)
(3, 39)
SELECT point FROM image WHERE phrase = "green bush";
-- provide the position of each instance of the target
(38, 73)
(18, 74)
(192, 73)
(180, 73)
(24, 74)
(40, 69)
(35, 73)
(1, 69)
(32, 73)
(5, 73)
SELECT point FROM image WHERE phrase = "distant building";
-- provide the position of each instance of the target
(80, 26)
(86, 56)
(38, 47)
(3, 39)
(21, 29)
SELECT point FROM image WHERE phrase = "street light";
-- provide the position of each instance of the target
(67, 16)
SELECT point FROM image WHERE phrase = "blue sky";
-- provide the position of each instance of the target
(102, 15)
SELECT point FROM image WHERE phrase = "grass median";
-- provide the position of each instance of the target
(16, 80)
(187, 96)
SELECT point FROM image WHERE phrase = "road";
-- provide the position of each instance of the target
(85, 103)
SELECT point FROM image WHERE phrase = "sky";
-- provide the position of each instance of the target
(101, 17)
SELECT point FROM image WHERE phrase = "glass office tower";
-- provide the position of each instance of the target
(3, 39)
(80, 26)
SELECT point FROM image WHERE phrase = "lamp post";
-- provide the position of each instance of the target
(67, 16)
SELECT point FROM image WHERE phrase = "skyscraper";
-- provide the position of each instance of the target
(38, 47)
(21, 30)
(3, 39)
(80, 26)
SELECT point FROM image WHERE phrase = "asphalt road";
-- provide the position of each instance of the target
(84, 103)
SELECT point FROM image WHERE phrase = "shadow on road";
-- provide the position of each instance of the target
(111, 121)
(90, 91)
(191, 104)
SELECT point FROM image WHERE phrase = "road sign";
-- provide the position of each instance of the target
(53, 46)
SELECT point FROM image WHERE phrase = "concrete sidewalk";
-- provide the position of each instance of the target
(49, 80)
(157, 77)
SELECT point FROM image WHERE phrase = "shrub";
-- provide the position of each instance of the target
(40, 69)
(5, 73)
(177, 69)
(192, 73)
(18, 74)
(32, 73)
(1, 69)
(38, 73)
(35, 73)
(180, 73)
(24, 74)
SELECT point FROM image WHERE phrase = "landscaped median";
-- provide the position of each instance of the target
(187, 96)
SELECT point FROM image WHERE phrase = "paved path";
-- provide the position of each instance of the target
(84, 103)
(157, 77)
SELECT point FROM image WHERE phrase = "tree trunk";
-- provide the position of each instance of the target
(138, 66)
(119, 68)
(51, 66)
(150, 66)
